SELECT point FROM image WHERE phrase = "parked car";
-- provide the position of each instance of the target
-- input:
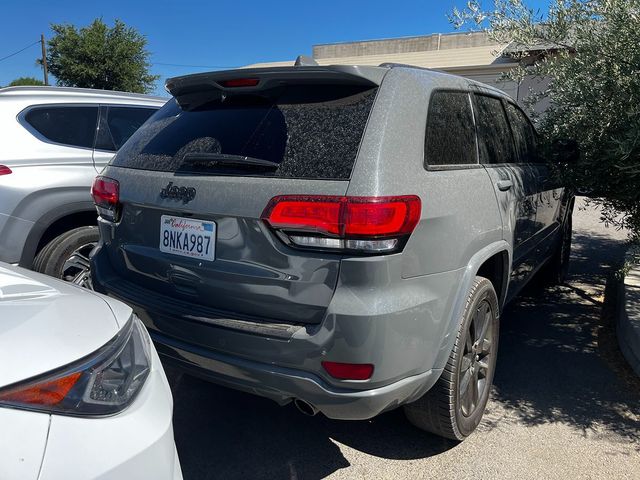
(82, 391)
(54, 142)
(342, 237)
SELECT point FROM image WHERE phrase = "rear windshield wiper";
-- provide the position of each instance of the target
(215, 159)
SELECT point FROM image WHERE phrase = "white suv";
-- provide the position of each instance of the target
(53, 141)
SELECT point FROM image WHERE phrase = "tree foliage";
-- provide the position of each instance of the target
(98, 56)
(26, 81)
(590, 50)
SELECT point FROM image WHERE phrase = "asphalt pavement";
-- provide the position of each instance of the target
(563, 404)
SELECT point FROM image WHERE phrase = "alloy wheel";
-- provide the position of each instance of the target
(476, 359)
(77, 268)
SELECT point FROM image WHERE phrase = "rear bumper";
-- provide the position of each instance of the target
(284, 385)
(398, 325)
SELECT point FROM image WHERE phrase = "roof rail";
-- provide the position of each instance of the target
(48, 89)
(403, 65)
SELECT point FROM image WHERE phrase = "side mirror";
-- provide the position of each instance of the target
(565, 151)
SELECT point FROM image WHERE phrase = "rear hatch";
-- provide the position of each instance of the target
(196, 178)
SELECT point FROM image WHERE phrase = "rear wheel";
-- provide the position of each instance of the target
(67, 256)
(454, 406)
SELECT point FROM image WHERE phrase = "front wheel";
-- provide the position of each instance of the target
(454, 406)
(67, 256)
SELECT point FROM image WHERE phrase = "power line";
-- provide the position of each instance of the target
(154, 63)
(20, 51)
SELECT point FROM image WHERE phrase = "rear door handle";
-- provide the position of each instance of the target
(504, 185)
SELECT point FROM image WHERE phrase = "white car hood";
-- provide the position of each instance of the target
(46, 323)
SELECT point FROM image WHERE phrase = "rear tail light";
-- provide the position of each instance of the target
(106, 195)
(349, 371)
(4, 170)
(359, 224)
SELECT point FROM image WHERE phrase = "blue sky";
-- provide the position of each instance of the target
(220, 33)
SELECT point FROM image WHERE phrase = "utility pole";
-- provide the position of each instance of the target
(44, 60)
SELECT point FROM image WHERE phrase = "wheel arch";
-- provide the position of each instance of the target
(493, 260)
(55, 222)
(567, 206)
(496, 270)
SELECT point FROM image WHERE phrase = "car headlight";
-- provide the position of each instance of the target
(102, 383)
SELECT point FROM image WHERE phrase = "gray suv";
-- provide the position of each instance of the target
(53, 142)
(341, 237)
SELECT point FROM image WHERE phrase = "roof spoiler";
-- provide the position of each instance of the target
(254, 80)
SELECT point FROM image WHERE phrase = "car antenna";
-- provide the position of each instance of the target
(304, 61)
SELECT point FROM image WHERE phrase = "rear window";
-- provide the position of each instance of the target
(302, 132)
(74, 126)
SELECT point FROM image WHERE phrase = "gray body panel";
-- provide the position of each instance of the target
(400, 312)
(49, 181)
(254, 274)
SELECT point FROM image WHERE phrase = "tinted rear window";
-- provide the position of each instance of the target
(495, 143)
(117, 124)
(524, 135)
(451, 134)
(308, 131)
(69, 125)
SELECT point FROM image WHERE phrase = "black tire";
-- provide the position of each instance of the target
(43, 256)
(448, 408)
(67, 256)
(557, 268)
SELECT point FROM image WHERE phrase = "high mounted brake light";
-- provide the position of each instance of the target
(106, 196)
(240, 82)
(362, 224)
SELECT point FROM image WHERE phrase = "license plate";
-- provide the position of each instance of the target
(188, 237)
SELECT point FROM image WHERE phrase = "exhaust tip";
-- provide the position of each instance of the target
(305, 408)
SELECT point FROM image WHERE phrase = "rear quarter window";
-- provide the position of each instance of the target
(308, 131)
(74, 126)
(117, 124)
(450, 136)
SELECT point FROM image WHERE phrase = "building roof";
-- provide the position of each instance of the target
(439, 51)
(441, 59)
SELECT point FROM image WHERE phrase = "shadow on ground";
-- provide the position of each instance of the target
(557, 357)
(226, 434)
(550, 369)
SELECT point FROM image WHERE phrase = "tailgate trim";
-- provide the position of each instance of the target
(132, 294)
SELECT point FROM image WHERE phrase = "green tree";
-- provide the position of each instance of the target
(589, 50)
(98, 56)
(25, 81)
